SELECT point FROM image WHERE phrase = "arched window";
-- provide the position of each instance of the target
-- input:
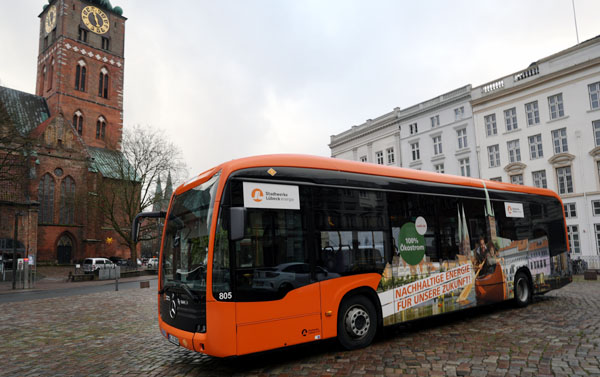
(101, 128)
(78, 122)
(103, 83)
(80, 76)
(67, 201)
(43, 79)
(46, 199)
(51, 75)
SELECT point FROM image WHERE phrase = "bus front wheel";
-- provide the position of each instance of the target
(357, 322)
(522, 290)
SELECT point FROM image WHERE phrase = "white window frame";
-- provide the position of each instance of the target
(594, 93)
(437, 145)
(574, 241)
(363, 159)
(570, 210)
(439, 168)
(391, 157)
(533, 113)
(459, 113)
(516, 179)
(595, 207)
(596, 128)
(435, 121)
(491, 127)
(461, 135)
(565, 174)
(413, 128)
(539, 178)
(514, 150)
(379, 157)
(559, 140)
(465, 167)
(416, 154)
(597, 231)
(494, 155)
(556, 106)
(510, 119)
(535, 146)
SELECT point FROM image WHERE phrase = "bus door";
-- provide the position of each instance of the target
(277, 297)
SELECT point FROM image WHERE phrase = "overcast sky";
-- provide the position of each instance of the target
(228, 79)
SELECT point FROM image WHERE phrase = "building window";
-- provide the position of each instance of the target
(462, 138)
(391, 158)
(78, 122)
(439, 168)
(43, 79)
(496, 179)
(597, 228)
(596, 207)
(435, 121)
(103, 83)
(516, 179)
(105, 43)
(67, 201)
(101, 128)
(379, 157)
(363, 158)
(45, 42)
(80, 71)
(437, 145)
(46, 199)
(565, 180)
(559, 139)
(510, 118)
(416, 155)
(490, 124)
(533, 113)
(465, 167)
(514, 151)
(494, 155)
(51, 75)
(555, 103)
(573, 231)
(459, 113)
(82, 36)
(413, 128)
(596, 125)
(594, 90)
(539, 179)
(535, 147)
(570, 210)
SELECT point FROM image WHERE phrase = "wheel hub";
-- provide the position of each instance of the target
(357, 322)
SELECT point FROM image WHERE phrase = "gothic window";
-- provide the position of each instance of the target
(43, 78)
(46, 199)
(67, 201)
(78, 122)
(80, 71)
(51, 75)
(101, 128)
(103, 83)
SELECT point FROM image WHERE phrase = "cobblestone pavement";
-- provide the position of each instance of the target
(116, 334)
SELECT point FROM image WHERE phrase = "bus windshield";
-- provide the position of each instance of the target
(186, 237)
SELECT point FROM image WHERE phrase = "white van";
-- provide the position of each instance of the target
(92, 264)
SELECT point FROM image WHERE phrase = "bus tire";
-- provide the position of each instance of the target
(523, 292)
(357, 322)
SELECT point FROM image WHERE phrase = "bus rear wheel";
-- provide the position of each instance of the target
(522, 290)
(357, 322)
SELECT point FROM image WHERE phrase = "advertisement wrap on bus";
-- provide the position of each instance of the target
(271, 251)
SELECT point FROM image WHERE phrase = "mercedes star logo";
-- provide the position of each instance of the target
(173, 308)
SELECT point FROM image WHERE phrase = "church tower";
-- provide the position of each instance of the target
(80, 67)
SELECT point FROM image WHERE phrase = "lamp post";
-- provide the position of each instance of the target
(14, 259)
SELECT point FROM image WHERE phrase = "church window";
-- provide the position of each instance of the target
(46, 199)
(51, 75)
(105, 43)
(82, 35)
(43, 78)
(78, 122)
(80, 76)
(67, 201)
(101, 128)
(103, 83)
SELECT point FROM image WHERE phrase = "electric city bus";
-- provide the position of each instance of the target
(272, 251)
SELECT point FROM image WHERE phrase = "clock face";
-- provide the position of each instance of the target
(95, 20)
(50, 22)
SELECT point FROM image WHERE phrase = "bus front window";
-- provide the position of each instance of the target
(186, 237)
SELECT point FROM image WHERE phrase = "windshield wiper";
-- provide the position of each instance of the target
(187, 290)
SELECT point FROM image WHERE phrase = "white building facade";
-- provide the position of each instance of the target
(541, 127)
(435, 135)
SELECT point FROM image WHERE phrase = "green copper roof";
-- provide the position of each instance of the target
(111, 164)
(26, 111)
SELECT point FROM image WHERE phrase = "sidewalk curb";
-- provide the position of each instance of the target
(6, 287)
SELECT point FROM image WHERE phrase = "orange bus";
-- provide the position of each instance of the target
(272, 251)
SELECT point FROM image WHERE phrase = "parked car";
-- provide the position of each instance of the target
(92, 264)
(152, 263)
(118, 261)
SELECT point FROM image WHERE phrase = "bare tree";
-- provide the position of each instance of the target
(127, 186)
(15, 149)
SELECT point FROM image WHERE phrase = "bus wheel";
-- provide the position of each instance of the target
(357, 322)
(522, 290)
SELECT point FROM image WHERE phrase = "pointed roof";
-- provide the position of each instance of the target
(111, 164)
(26, 111)
(168, 188)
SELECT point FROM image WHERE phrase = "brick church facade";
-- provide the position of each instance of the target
(73, 127)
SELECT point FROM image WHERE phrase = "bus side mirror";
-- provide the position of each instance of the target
(135, 226)
(237, 223)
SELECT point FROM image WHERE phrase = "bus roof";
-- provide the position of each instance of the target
(327, 163)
